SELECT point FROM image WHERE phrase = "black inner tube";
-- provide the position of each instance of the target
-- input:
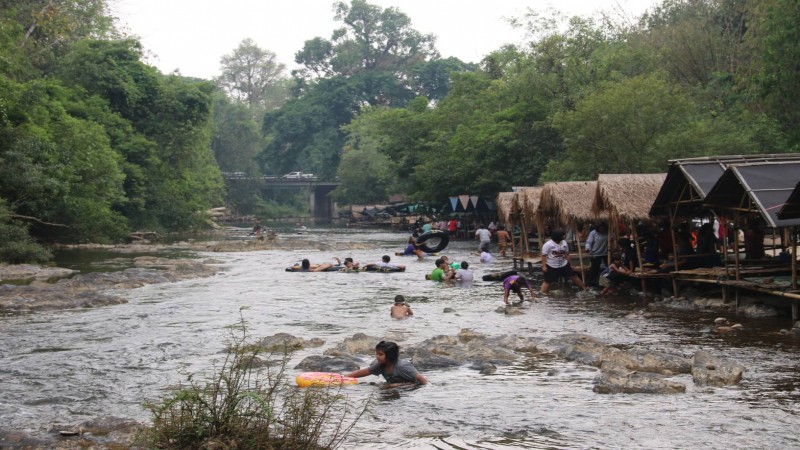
(442, 236)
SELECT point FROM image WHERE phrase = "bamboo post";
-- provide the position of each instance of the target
(736, 247)
(794, 257)
(638, 249)
(580, 253)
(673, 214)
(724, 239)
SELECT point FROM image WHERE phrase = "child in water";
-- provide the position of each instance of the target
(388, 363)
(401, 309)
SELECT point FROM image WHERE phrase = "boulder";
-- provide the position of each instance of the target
(425, 359)
(710, 371)
(645, 361)
(359, 344)
(581, 348)
(616, 381)
(286, 342)
(329, 364)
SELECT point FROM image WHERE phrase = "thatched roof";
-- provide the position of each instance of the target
(506, 207)
(568, 203)
(627, 197)
(529, 199)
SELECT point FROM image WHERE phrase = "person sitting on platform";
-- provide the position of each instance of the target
(617, 272)
(707, 243)
(628, 252)
(754, 241)
(651, 252)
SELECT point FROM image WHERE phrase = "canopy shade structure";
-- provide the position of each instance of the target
(507, 208)
(762, 188)
(528, 200)
(627, 197)
(689, 180)
(791, 210)
(569, 203)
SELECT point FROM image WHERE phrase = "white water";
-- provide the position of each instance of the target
(68, 366)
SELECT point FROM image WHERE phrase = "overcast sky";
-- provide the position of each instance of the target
(192, 35)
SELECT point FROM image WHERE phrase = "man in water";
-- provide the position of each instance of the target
(483, 235)
(401, 309)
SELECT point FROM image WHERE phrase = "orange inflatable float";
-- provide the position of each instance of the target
(323, 379)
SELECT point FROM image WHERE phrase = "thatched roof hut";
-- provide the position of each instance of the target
(626, 198)
(568, 204)
(529, 200)
(507, 210)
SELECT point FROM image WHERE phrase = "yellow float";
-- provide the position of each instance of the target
(323, 379)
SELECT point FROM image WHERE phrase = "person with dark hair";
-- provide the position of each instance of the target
(395, 371)
(413, 248)
(442, 272)
(597, 248)
(555, 262)
(707, 243)
(515, 283)
(628, 252)
(503, 239)
(400, 309)
(385, 263)
(617, 273)
(306, 266)
(485, 237)
(349, 264)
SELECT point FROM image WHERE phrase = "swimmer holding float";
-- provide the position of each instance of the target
(395, 371)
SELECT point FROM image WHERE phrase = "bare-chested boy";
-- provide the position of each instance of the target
(400, 309)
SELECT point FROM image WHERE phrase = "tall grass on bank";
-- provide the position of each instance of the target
(242, 406)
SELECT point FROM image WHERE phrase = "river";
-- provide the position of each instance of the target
(68, 366)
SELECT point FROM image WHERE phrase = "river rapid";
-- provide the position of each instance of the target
(63, 367)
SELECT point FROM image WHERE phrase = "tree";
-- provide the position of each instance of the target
(774, 33)
(254, 76)
(377, 49)
(615, 129)
(44, 29)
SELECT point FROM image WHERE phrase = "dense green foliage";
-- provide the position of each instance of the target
(589, 96)
(93, 141)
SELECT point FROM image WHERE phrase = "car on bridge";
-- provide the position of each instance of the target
(299, 176)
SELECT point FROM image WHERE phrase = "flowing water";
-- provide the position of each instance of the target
(69, 366)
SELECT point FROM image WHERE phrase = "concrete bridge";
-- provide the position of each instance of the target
(322, 207)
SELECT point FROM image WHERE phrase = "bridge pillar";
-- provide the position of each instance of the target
(322, 206)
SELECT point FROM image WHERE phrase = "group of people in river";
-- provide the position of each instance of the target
(385, 264)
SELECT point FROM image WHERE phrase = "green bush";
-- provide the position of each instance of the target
(242, 406)
(16, 245)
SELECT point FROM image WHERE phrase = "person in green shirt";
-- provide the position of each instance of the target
(442, 271)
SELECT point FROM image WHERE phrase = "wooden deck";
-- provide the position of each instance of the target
(771, 280)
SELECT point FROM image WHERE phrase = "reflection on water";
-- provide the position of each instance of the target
(67, 366)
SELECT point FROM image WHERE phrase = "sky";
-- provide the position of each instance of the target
(192, 35)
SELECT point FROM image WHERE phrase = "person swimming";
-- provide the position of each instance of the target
(394, 370)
